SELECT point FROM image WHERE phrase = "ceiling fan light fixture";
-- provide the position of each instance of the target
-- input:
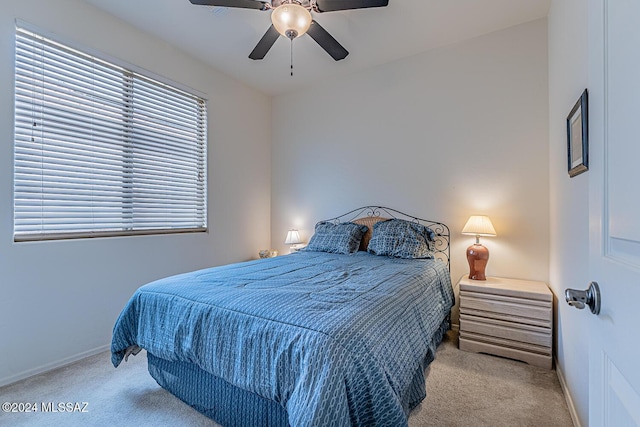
(291, 20)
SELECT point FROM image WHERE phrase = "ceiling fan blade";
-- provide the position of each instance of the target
(327, 42)
(332, 5)
(265, 43)
(244, 4)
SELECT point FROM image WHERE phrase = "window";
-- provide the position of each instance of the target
(101, 150)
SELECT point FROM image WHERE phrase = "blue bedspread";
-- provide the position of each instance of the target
(335, 339)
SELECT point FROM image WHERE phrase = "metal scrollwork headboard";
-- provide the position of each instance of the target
(443, 236)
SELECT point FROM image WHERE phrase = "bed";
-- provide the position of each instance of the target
(314, 338)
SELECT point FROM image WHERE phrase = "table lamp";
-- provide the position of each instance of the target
(478, 255)
(293, 239)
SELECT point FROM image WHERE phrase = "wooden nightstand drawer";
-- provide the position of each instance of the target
(506, 305)
(525, 289)
(507, 317)
(545, 323)
(508, 330)
(532, 358)
(538, 349)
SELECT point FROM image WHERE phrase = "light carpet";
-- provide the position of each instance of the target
(463, 389)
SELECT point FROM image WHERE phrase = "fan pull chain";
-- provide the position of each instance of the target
(291, 57)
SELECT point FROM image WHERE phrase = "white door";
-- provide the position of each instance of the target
(614, 208)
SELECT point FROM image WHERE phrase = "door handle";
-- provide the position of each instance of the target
(590, 297)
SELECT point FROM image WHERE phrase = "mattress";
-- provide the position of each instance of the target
(332, 339)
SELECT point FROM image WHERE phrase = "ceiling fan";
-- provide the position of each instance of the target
(292, 19)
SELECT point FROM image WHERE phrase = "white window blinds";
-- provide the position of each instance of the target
(101, 150)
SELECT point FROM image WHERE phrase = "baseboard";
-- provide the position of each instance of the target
(51, 366)
(567, 395)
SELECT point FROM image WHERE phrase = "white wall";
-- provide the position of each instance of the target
(59, 300)
(449, 133)
(569, 208)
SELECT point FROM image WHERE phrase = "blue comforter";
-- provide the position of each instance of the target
(335, 339)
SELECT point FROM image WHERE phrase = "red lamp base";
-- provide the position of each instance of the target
(477, 256)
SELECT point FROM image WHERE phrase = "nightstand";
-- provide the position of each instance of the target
(507, 317)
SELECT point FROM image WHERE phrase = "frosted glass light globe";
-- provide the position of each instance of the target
(291, 20)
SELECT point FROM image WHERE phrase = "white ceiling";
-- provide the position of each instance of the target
(224, 37)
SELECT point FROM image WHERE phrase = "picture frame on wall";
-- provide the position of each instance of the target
(578, 136)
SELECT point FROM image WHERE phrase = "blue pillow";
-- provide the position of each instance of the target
(342, 238)
(402, 239)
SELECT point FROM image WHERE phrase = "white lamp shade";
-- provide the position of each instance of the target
(291, 17)
(479, 225)
(293, 238)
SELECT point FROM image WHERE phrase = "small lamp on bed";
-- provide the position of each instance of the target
(293, 239)
(478, 255)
